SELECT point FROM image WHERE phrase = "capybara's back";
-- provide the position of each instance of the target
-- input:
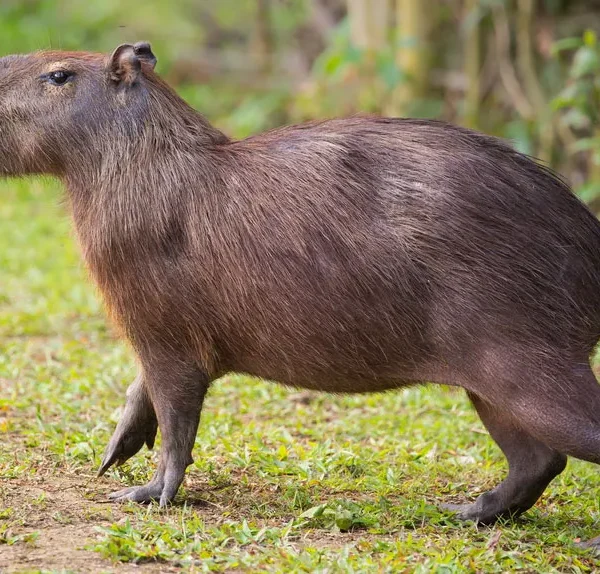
(355, 254)
(376, 250)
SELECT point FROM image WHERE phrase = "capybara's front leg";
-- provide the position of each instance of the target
(176, 392)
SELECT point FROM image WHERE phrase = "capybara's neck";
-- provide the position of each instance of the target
(132, 191)
(130, 185)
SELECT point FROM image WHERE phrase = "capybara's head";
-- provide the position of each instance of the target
(54, 105)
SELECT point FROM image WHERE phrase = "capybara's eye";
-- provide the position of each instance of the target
(59, 77)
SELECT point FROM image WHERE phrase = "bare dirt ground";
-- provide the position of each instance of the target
(57, 519)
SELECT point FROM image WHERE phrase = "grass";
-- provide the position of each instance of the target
(284, 480)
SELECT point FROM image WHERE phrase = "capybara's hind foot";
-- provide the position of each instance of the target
(468, 512)
(593, 545)
(532, 465)
(485, 510)
(461, 511)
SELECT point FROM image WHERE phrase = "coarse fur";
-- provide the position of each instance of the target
(349, 255)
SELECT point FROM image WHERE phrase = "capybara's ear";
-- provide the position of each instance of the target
(143, 51)
(124, 66)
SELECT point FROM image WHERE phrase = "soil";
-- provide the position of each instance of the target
(57, 519)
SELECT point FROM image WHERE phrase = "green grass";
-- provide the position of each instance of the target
(284, 481)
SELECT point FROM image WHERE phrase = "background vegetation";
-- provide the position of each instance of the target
(283, 481)
(528, 70)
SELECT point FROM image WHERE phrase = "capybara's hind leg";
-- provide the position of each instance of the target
(177, 392)
(534, 418)
(531, 467)
(563, 411)
(136, 426)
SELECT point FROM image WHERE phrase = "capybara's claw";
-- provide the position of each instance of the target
(163, 488)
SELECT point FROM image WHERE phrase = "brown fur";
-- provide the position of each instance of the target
(351, 255)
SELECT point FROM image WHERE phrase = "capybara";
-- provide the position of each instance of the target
(349, 255)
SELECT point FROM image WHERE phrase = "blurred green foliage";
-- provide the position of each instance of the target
(580, 100)
(527, 70)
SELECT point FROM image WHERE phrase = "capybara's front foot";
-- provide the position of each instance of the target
(136, 426)
(165, 483)
(146, 493)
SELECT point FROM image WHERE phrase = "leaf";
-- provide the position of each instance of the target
(566, 44)
(589, 192)
(494, 539)
(566, 96)
(576, 118)
(353, 55)
(586, 144)
(390, 72)
(344, 519)
(519, 133)
(333, 64)
(589, 38)
(586, 61)
(314, 512)
(427, 108)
